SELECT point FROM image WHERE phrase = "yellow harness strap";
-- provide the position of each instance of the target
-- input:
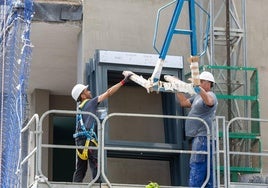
(84, 154)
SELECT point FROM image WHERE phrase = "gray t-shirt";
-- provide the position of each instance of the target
(199, 109)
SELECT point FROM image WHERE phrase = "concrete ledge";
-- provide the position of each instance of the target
(247, 185)
(254, 178)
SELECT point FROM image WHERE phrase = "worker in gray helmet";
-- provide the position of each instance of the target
(85, 134)
(203, 105)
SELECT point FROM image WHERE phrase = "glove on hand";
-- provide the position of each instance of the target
(126, 79)
(197, 89)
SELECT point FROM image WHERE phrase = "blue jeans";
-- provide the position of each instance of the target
(198, 163)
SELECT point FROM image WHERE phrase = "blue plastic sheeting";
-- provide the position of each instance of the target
(16, 49)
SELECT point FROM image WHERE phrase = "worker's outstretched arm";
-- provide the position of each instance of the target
(184, 102)
(113, 89)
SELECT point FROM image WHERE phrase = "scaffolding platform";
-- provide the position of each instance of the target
(86, 185)
(105, 185)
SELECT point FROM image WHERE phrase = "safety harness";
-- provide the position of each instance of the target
(90, 135)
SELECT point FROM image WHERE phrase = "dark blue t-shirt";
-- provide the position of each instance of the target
(88, 106)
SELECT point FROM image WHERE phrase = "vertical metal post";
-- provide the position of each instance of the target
(193, 38)
(228, 58)
(211, 41)
(244, 26)
(226, 155)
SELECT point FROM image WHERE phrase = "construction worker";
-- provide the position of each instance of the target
(203, 105)
(85, 134)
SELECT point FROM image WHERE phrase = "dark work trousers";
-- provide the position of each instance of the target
(82, 165)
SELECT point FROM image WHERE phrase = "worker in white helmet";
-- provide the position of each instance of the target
(203, 105)
(85, 134)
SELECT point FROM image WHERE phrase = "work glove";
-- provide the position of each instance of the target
(126, 79)
(197, 89)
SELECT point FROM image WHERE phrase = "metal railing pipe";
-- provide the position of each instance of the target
(103, 147)
(40, 145)
(228, 152)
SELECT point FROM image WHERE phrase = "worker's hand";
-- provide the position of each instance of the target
(126, 79)
(127, 76)
(197, 89)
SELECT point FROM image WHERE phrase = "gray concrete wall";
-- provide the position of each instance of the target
(122, 26)
(257, 38)
(117, 25)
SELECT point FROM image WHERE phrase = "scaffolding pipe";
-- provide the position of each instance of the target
(228, 58)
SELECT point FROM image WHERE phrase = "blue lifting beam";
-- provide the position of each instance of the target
(175, 85)
(172, 28)
(192, 32)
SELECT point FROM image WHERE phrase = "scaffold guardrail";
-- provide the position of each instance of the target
(228, 182)
(102, 148)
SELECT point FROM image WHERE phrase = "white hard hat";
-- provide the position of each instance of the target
(77, 90)
(207, 76)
